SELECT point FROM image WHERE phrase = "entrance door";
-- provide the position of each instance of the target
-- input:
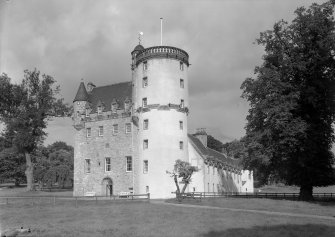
(109, 190)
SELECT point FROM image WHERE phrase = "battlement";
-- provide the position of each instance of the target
(162, 52)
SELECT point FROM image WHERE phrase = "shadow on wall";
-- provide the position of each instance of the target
(227, 182)
(308, 230)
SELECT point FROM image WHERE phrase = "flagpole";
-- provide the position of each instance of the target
(161, 31)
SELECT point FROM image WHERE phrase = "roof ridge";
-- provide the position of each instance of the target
(113, 84)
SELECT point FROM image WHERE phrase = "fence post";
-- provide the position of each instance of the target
(54, 200)
(32, 201)
(76, 202)
(6, 201)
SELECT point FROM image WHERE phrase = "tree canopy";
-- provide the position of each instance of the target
(24, 108)
(289, 130)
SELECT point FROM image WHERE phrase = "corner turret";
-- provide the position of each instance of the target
(79, 105)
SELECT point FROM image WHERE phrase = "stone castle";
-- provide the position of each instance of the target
(128, 135)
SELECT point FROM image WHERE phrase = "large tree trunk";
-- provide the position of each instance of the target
(178, 190)
(306, 193)
(29, 172)
(184, 188)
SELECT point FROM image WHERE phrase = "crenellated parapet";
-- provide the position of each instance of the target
(161, 52)
(163, 107)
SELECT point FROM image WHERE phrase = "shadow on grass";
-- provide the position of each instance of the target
(309, 230)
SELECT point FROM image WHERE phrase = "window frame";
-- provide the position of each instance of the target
(145, 82)
(128, 125)
(101, 131)
(99, 110)
(181, 145)
(89, 132)
(145, 124)
(182, 83)
(145, 166)
(145, 144)
(182, 103)
(181, 66)
(181, 125)
(145, 102)
(145, 65)
(108, 165)
(87, 166)
(115, 131)
(129, 161)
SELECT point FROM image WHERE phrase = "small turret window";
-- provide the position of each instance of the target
(145, 144)
(145, 65)
(145, 124)
(181, 66)
(181, 145)
(181, 125)
(144, 102)
(181, 83)
(145, 167)
(181, 103)
(145, 82)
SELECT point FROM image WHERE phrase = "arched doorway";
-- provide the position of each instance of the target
(107, 186)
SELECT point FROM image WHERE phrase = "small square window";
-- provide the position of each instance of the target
(181, 145)
(145, 144)
(87, 166)
(181, 66)
(145, 167)
(101, 131)
(145, 124)
(129, 164)
(145, 82)
(145, 65)
(87, 113)
(144, 102)
(182, 104)
(147, 189)
(181, 83)
(181, 125)
(128, 127)
(88, 132)
(108, 164)
(115, 128)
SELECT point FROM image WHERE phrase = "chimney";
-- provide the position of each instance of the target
(90, 87)
(201, 135)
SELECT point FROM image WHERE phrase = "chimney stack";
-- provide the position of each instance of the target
(90, 87)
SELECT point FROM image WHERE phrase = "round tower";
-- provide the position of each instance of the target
(160, 97)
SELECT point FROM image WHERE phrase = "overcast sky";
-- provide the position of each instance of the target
(92, 39)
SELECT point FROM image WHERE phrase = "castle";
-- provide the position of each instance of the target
(128, 135)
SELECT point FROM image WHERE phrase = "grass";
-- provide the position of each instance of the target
(141, 218)
(293, 189)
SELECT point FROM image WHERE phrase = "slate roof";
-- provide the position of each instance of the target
(138, 48)
(105, 95)
(210, 154)
(82, 94)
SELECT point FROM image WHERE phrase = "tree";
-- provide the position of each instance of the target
(12, 166)
(24, 109)
(214, 144)
(289, 126)
(235, 149)
(183, 170)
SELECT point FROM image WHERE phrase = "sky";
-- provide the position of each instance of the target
(92, 40)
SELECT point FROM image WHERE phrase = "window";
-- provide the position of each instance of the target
(145, 144)
(145, 124)
(115, 128)
(87, 165)
(101, 131)
(147, 189)
(88, 132)
(99, 110)
(128, 127)
(126, 105)
(145, 82)
(144, 102)
(145, 167)
(108, 164)
(114, 107)
(181, 103)
(129, 164)
(181, 145)
(181, 66)
(145, 65)
(78, 114)
(181, 83)
(87, 112)
(181, 125)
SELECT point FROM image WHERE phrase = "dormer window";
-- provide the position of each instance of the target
(127, 105)
(87, 113)
(99, 110)
(114, 107)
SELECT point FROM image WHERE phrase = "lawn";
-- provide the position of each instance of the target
(142, 218)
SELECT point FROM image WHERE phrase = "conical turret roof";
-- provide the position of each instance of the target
(82, 94)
